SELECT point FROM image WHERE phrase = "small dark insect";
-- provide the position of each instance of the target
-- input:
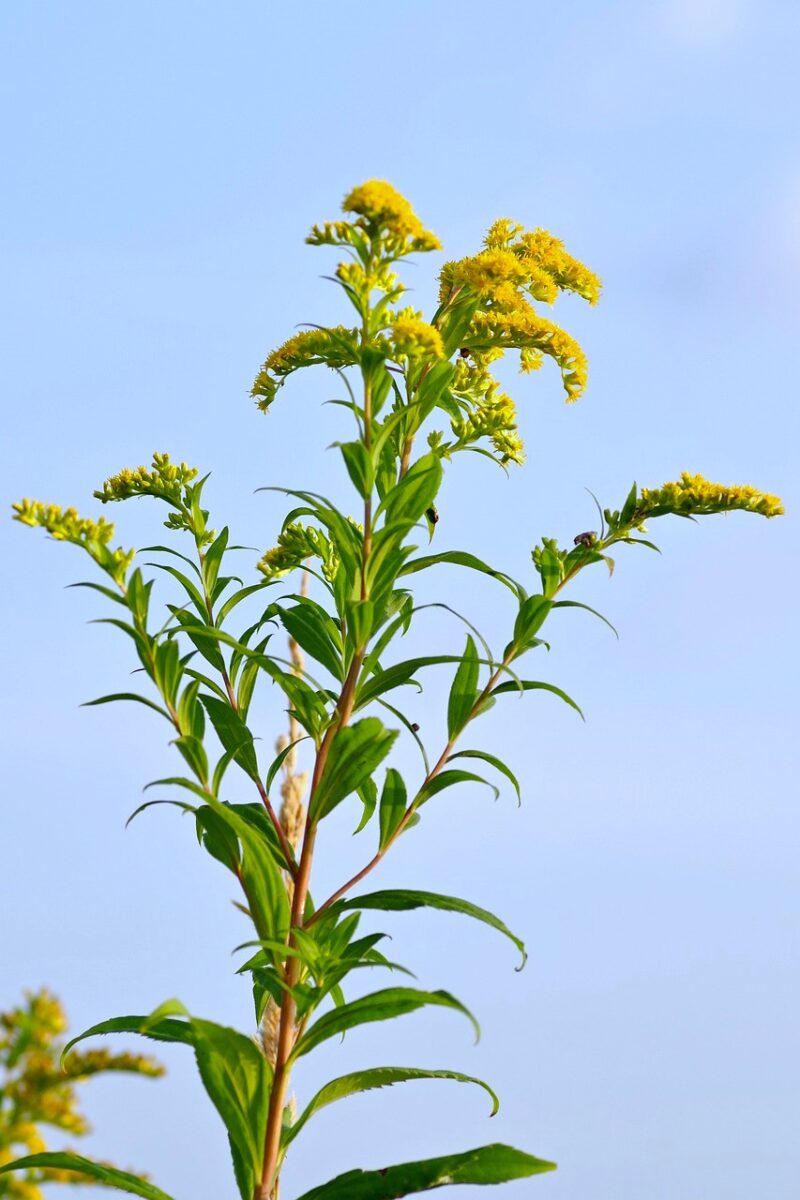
(464, 352)
(383, 1171)
(415, 728)
(432, 514)
(585, 539)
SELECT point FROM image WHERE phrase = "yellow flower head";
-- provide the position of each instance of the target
(66, 526)
(165, 480)
(693, 495)
(337, 347)
(380, 211)
(412, 337)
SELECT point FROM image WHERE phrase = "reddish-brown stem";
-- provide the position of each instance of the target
(286, 1028)
(407, 815)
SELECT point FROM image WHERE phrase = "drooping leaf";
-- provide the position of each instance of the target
(530, 685)
(377, 1006)
(464, 690)
(356, 752)
(66, 1160)
(235, 1074)
(376, 1077)
(405, 899)
(488, 1164)
(586, 608)
(449, 778)
(127, 696)
(493, 761)
(459, 558)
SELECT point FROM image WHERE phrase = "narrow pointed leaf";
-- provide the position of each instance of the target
(463, 691)
(403, 900)
(127, 696)
(66, 1160)
(493, 761)
(377, 1006)
(377, 1077)
(486, 1165)
(529, 685)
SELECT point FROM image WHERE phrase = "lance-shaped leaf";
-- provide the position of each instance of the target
(530, 685)
(416, 491)
(376, 1077)
(488, 1164)
(261, 876)
(66, 1160)
(315, 632)
(493, 761)
(235, 1074)
(464, 691)
(394, 800)
(356, 752)
(405, 899)
(232, 732)
(377, 1006)
(459, 558)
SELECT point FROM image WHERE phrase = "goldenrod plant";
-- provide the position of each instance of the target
(416, 393)
(37, 1096)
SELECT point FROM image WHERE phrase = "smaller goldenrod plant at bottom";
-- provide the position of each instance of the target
(38, 1095)
(418, 393)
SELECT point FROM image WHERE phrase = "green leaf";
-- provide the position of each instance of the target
(464, 691)
(212, 560)
(488, 1164)
(394, 801)
(399, 674)
(497, 763)
(128, 696)
(234, 735)
(194, 754)
(415, 492)
(368, 795)
(459, 558)
(356, 752)
(446, 779)
(587, 608)
(235, 1074)
(312, 629)
(532, 615)
(66, 1160)
(530, 685)
(376, 1077)
(261, 875)
(359, 466)
(192, 591)
(403, 900)
(377, 1006)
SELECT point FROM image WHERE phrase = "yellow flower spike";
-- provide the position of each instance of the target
(336, 347)
(693, 495)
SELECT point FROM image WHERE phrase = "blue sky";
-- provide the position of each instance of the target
(162, 164)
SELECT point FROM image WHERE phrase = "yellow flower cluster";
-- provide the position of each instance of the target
(555, 269)
(694, 495)
(296, 543)
(381, 212)
(66, 526)
(165, 480)
(412, 337)
(515, 267)
(35, 1091)
(337, 347)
